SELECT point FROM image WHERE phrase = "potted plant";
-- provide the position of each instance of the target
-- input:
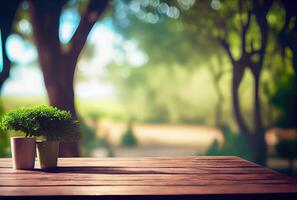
(23, 148)
(54, 125)
(49, 124)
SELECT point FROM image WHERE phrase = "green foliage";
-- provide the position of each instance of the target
(4, 143)
(166, 95)
(19, 120)
(129, 139)
(46, 121)
(89, 140)
(181, 42)
(287, 148)
(234, 145)
(284, 99)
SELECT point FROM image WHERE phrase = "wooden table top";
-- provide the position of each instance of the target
(150, 177)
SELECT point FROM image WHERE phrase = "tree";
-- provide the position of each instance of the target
(7, 14)
(234, 26)
(212, 26)
(57, 62)
(287, 38)
(173, 50)
(255, 136)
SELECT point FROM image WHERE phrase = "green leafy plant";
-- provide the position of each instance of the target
(4, 142)
(46, 121)
(234, 145)
(129, 139)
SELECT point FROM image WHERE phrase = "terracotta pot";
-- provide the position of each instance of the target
(23, 152)
(48, 152)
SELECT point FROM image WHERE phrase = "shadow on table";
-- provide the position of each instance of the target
(101, 170)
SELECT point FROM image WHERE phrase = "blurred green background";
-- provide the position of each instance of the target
(160, 78)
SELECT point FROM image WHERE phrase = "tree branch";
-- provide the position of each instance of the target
(245, 28)
(45, 17)
(226, 46)
(237, 76)
(261, 11)
(88, 19)
(6, 62)
(7, 13)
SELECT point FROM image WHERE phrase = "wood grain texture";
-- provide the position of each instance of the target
(187, 177)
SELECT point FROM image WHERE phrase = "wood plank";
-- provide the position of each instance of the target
(144, 190)
(151, 175)
(146, 176)
(29, 183)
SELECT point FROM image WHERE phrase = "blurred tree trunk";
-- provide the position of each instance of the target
(258, 135)
(57, 64)
(7, 13)
(254, 135)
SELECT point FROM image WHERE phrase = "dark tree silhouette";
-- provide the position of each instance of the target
(58, 64)
(7, 13)
(256, 135)
(288, 39)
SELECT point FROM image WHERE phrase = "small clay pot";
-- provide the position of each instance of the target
(47, 152)
(23, 152)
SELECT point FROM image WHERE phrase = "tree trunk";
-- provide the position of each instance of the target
(58, 65)
(237, 76)
(256, 138)
(257, 106)
(7, 13)
(59, 85)
(6, 62)
(62, 97)
(57, 71)
(259, 149)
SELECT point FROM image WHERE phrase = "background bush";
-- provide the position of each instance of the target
(129, 139)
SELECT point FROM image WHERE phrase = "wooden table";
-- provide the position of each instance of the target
(147, 178)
